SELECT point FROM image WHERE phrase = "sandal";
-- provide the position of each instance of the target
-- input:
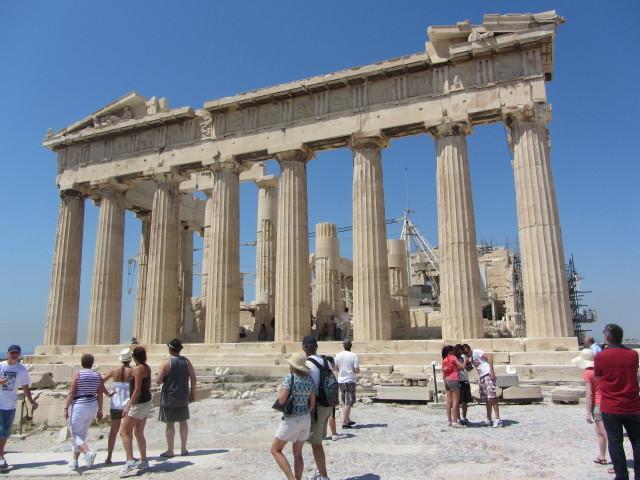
(184, 453)
(167, 454)
(600, 461)
(612, 471)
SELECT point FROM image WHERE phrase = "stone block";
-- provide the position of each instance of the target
(505, 381)
(563, 399)
(542, 358)
(551, 344)
(577, 392)
(402, 394)
(42, 380)
(532, 393)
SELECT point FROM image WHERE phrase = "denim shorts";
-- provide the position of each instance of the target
(6, 422)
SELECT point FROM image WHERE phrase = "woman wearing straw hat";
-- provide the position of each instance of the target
(295, 427)
(584, 361)
(119, 396)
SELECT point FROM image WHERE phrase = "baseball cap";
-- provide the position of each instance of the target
(14, 348)
(309, 341)
(175, 344)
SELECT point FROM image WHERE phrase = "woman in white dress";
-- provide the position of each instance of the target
(119, 397)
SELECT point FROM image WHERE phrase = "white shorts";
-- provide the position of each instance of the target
(294, 429)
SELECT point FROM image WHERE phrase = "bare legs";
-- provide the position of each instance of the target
(601, 436)
(276, 451)
(170, 433)
(453, 405)
(111, 442)
(493, 403)
(346, 414)
(128, 427)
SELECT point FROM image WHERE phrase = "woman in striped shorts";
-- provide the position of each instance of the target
(84, 403)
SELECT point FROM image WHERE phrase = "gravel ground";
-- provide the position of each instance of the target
(230, 439)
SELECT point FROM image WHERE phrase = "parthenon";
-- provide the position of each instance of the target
(141, 155)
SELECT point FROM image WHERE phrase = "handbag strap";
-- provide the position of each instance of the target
(293, 379)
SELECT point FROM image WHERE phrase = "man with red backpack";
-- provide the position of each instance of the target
(327, 396)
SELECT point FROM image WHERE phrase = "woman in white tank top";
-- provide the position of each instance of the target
(120, 377)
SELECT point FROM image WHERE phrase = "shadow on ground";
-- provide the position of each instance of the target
(370, 425)
(366, 476)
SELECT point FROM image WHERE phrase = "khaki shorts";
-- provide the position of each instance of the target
(140, 411)
(294, 429)
(319, 425)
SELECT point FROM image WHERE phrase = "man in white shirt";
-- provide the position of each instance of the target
(13, 375)
(348, 367)
(590, 342)
(483, 363)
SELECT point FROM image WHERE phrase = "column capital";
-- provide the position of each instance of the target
(302, 154)
(539, 113)
(69, 193)
(142, 214)
(167, 177)
(450, 129)
(360, 140)
(226, 164)
(268, 181)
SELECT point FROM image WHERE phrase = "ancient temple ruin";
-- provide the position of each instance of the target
(141, 155)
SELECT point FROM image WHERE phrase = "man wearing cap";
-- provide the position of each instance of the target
(322, 413)
(348, 367)
(178, 380)
(13, 375)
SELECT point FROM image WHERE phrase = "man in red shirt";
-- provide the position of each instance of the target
(617, 368)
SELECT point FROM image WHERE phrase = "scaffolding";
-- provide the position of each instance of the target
(579, 313)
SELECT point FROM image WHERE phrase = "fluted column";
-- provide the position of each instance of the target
(293, 295)
(326, 298)
(546, 291)
(186, 281)
(398, 283)
(459, 272)
(141, 282)
(205, 261)
(106, 288)
(266, 249)
(223, 268)
(371, 302)
(64, 293)
(161, 302)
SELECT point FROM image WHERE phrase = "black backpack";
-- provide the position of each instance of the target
(329, 390)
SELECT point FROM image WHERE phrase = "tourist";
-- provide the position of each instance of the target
(84, 403)
(135, 413)
(465, 386)
(585, 362)
(345, 320)
(337, 327)
(590, 342)
(319, 366)
(450, 372)
(262, 334)
(483, 363)
(178, 379)
(119, 397)
(617, 369)
(13, 375)
(294, 427)
(348, 367)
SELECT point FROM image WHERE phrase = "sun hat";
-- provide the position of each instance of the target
(125, 355)
(585, 359)
(299, 362)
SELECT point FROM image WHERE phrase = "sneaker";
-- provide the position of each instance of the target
(347, 425)
(129, 468)
(314, 476)
(73, 465)
(351, 422)
(464, 421)
(142, 464)
(339, 436)
(497, 423)
(89, 458)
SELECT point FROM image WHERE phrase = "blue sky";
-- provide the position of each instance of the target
(60, 61)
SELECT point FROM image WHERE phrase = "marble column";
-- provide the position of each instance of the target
(293, 293)
(545, 287)
(371, 314)
(186, 281)
(398, 283)
(459, 273)
(106, 288)
(266, 250)
(141, 282)
(161, 301)
(64, 293)
(223, 261)
(326, 298)
(205, 261)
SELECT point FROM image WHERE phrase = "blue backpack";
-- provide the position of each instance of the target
(329, 391)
